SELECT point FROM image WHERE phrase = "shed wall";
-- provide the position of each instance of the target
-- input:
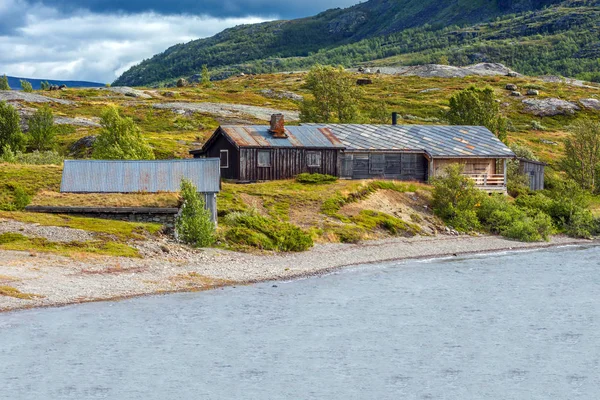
(285, 163)
(535, 173)
(373, 165)
(214, 151)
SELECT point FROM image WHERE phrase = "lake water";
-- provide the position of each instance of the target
(503, 326)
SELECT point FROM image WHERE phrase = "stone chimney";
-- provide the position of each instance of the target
(278, 126)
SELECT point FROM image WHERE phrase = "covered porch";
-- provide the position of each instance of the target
(489, 174)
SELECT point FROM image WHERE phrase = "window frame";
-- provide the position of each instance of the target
(258, 164)
(226, 166)
(318, 156)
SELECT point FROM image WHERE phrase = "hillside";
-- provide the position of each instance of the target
(517, 33)
(15, 83)
(285, 45)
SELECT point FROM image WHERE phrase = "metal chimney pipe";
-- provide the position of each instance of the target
(394, 118)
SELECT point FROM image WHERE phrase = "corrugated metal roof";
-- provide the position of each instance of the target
(298, 136)
(437, 140)
(100, 176)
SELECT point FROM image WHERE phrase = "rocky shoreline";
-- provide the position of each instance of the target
(45, 280)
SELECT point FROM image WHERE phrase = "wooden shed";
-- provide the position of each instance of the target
(535, 171)
(250, 153)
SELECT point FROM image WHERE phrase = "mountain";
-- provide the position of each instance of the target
(15, 83)
(541, 36)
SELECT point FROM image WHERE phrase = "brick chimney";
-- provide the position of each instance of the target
(278, 126)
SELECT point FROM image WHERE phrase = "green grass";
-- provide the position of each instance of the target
(122, 230)
(32, 178)
(18, 242)
(10, 291)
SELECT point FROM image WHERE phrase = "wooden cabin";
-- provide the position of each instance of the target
(358, 151)
(534, 171)
(251, 153)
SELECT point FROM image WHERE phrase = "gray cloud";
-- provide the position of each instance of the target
(214, 8)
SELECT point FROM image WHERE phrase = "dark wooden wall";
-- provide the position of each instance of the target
(399, 166)
(285, 163)
(221, 143)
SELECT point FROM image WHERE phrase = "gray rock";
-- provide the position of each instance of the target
(281, 94)
(430, 90)
(515, 93)
(83, 145)
(511, 87)
(14, 95)
(550, 142)
(449, 71)
(127, 91)
(533, 92)
(592, 104)
(549, 107)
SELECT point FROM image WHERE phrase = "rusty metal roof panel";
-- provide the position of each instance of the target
(437, 140)
(104, 176)
(298, 136)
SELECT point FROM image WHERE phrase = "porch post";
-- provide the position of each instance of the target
(505, 173)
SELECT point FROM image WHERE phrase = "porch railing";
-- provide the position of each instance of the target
(486, 180)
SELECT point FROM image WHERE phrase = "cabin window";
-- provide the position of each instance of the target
(313, 158)
(264, 158)
(224, 158)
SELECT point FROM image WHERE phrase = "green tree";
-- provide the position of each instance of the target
(120, 139)
(26, 86)
(205, 76)
(582, 154)
(335, 96)
(42, 132)
(11, 136)
(455, 198)
(444, 60)
(478, 107)
(4, 83)
(194, 226)
(45, 85)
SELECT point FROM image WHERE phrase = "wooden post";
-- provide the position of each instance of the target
(505, 172)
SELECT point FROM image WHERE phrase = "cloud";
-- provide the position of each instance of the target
(95, 47)
(215, 8)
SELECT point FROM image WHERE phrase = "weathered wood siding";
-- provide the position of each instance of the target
(232, 171)
(373, 165)
(535, 172)
(472, 165)
(285, 163)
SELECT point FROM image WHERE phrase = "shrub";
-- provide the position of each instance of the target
(537, 126)
(374, 219)
(455, 199)
(194, 226)
(252, 229)
(26, 86)
(315, 178)
(349, 233)
(42, 135)
(120, 139)
(4, 83)
(10, 129)
(20, 199)
(35, 158)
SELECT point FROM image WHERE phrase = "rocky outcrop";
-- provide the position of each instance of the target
(449, 71)
(549, 107)
(281, 94)
(14, 96)
(226, 110)
(592, 104)
(129, 92)
(83, 146)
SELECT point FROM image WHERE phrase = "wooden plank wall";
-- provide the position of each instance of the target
(399, 166)
(285, 163)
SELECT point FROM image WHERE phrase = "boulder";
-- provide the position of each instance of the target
(281, 94)
(83, 146)
(362, 82)
(533, 92)
(515, 93)
(549, 107)
(511, 87)
(592, 104)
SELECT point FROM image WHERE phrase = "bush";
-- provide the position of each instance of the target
(315, 178)
(252, 229)
(35, 158)
(42, 134)
(537, 126)
(455, 199)
(26, 86)
(194, 226)
(20, 199)
(10, 128)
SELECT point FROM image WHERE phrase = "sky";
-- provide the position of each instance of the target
(97, 40)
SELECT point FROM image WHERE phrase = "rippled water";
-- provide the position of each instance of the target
(512, 326)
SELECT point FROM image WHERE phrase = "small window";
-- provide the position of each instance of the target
(224, 158)
(313, 158)
(264, 158)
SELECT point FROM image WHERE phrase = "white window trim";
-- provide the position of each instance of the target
(308, 157)
(226, 158)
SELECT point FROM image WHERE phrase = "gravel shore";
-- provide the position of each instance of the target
(54, 280)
